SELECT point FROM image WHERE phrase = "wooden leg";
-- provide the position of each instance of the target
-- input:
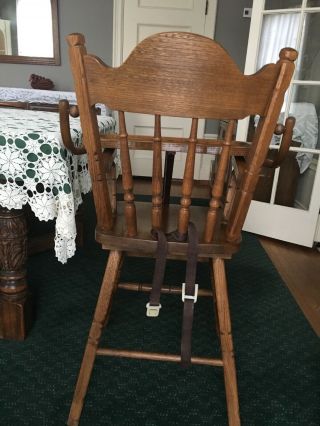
(229, 368)
(214, 301)
(115, 287)
(110, 276)
(15, 301)
(168, 170)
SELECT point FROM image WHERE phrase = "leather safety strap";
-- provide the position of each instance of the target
(189, 295)
(189, 288)
(154, 306)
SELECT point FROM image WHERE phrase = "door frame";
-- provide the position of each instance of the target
(264, 218)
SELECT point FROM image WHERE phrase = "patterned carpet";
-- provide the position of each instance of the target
(277, 353)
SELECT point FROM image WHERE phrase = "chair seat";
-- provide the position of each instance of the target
(143, 242)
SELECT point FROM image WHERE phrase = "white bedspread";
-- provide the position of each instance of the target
(305, 131)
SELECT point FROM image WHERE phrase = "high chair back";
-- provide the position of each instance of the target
(179, 75)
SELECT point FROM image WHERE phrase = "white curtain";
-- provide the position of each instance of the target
(278, 31)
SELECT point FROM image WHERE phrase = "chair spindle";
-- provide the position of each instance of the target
(157, 175)
(187, 184)
(127, 180)
(218, 185)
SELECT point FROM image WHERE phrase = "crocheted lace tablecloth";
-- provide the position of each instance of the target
(36, 168)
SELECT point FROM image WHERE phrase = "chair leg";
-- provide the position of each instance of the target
(229, 368)
(214, 301)
(107, 287)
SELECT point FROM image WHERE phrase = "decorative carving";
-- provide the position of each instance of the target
(13, 239)
(14, 302)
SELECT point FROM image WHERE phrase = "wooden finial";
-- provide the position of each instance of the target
(76, 39)
(289, 54)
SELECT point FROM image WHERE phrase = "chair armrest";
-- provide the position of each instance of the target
(285, 130)
(64, 111)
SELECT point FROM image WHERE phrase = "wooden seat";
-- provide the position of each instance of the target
(180, 75)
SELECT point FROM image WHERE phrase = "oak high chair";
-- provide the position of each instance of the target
(181, 75)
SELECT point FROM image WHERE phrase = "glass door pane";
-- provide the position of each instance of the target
(278, 31)
(294, 189)
(305, 107)
(308, 67)
(282, 4)
(313, 3)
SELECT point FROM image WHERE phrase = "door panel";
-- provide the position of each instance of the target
(142, 160)
(143, 18)
(140, 19)
(168, 4)
(146, 30)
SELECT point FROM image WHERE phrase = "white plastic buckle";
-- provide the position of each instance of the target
(194, 297)
(153, 311)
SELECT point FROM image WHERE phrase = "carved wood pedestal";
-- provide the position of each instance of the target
(15, 303)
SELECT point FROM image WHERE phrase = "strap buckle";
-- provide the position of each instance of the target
(153, 311)
(184, 296)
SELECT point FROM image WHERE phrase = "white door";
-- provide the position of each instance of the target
(135, 20)
(297, 25)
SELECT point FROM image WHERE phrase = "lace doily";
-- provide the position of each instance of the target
(36, 168)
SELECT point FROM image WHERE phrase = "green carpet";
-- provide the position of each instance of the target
(277, 353)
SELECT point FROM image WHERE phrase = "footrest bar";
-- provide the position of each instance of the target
(154, 356)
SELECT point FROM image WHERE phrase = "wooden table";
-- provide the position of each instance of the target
(35, 169)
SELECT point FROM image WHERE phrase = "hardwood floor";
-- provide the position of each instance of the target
(299, 267)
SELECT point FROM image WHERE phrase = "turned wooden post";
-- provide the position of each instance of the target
(127, 180)
(187, 183)
(157, 175)
(218, 185)
(15, 306)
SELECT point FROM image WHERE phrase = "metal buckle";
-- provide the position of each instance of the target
(153, 311)
(184, 296)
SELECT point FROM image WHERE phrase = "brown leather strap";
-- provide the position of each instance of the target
(154, 306)
(189, 295)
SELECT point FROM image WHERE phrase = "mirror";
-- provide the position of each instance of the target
(29, 32)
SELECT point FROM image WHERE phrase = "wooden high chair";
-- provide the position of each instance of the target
(181, 75)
